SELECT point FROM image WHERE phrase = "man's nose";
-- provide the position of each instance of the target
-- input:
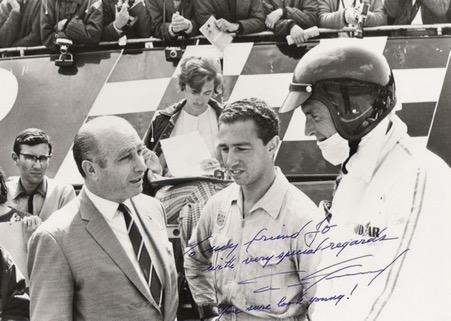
(310, 129)
(140, 164)
(232, 160)
(37, 164)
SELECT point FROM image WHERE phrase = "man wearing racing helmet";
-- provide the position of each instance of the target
(387, 242)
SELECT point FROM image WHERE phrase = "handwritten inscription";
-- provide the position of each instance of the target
(265, 248)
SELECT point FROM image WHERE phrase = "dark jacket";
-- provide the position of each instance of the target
(20, 29)
(303, 13)
(163, 124)
(14, 299)
(161, 17)
(141, 29)
(399, 12)
(161, 127)
(330, 17)
(84, 26)
(249, 13)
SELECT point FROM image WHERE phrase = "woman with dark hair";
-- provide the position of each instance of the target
(199, 79)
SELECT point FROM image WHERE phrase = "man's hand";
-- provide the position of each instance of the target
(61, 24)
(179, 23)
(273, 17)
(352, 15)
(298, 35)
(122, 16)
(30, 224)
(152, 161)
(210, 165)
(226, 26)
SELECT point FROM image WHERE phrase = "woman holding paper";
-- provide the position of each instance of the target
(199, 79)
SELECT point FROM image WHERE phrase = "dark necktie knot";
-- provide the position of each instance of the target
(127, 215)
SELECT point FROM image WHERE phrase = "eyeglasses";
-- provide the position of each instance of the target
(33, 158)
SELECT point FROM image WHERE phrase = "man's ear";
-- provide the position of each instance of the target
(273, 144)
(90, 169)
(15, 158)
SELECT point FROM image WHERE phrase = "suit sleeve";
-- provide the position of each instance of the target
(52, 284)
(67, 195)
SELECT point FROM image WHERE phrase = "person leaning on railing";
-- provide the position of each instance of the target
(77, 20)
(125, 18)
(171, 19)
(19, 23)
(344, 13)
(233, 16)
(291, 17)
(404, 12)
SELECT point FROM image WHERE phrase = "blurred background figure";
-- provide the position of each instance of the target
(291, 17)
(340, 14)
(199, 79)
(8, 214)
(78, 20)
(125, 18)
(172, 18)
(406, 12)
(14, 299)
(19, 23)
(235, 17)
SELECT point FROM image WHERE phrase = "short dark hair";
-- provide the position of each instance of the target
(86, 147)
(31, 137)
(255, 109)
(3, 188)
(196, 71)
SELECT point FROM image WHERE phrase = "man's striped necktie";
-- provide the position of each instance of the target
(143, 255)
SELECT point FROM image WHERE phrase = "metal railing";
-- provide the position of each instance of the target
(435, 29)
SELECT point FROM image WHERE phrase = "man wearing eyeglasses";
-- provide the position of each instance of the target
(32, 191)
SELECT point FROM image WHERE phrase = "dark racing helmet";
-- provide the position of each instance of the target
(355, 84)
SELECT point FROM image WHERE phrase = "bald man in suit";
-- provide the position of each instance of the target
(84, 263)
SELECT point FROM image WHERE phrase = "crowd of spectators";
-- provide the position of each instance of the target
(34, 22)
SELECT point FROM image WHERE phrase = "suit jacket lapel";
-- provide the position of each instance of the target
(99, 229)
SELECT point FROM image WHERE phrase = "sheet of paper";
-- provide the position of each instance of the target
(217, 37)
(184, 153)
(11, 239)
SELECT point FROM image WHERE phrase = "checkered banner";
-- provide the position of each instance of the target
(136, 84)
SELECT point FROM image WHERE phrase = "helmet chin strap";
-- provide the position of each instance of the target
(353, 146)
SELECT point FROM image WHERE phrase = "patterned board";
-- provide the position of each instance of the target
(136, 84)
